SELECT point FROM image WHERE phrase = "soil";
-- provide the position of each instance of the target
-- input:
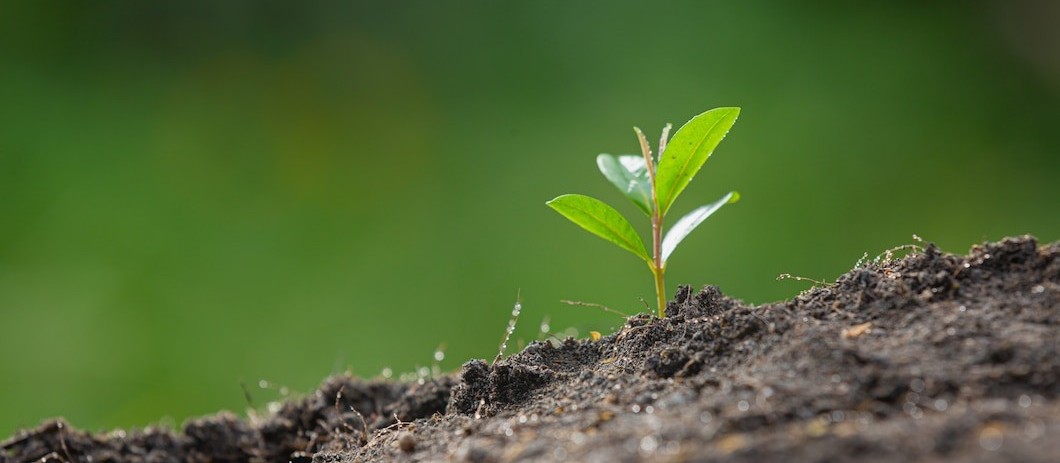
(931, 357)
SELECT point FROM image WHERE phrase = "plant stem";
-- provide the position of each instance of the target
(658, 267)
(660, 290)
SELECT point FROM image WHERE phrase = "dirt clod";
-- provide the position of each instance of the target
(406, 442)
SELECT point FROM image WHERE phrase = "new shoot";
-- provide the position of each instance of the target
(653, 183)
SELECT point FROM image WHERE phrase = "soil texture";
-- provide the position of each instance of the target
(931, 357)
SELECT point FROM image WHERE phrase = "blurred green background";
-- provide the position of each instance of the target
(199, 194)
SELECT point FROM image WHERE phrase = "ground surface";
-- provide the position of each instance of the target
(933, 357)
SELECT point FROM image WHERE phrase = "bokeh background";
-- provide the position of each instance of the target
(196, 196)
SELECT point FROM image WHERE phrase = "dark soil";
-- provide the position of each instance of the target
(933, 357)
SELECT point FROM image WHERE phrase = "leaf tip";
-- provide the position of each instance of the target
(735, 197)
(551, 202)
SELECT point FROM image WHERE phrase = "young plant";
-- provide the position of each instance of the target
(653, 184)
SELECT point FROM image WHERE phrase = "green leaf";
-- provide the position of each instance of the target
(690, 221)
(688, 150)
(601, 220)
(630, 175)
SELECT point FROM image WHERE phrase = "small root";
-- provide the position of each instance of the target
(788, 276)
(597, 306)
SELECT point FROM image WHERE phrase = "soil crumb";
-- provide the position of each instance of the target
(931, 357)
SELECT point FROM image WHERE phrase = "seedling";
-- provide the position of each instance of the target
(653, 183)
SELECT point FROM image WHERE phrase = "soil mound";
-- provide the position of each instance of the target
(927, 358)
